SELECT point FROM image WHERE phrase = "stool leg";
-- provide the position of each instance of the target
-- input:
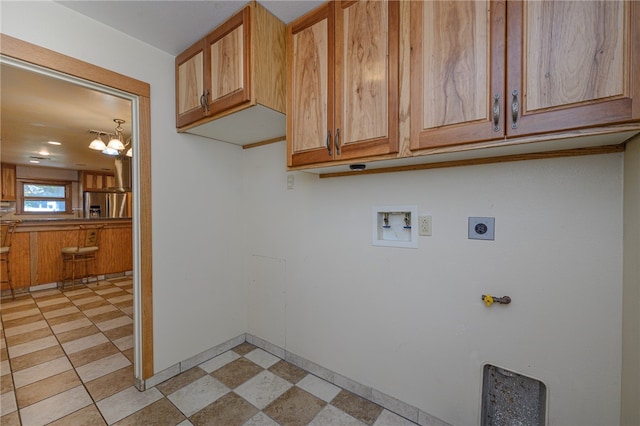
(13, 296)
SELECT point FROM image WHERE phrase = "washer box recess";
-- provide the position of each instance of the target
(395, 226)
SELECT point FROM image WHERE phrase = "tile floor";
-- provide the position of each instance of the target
(66, 359)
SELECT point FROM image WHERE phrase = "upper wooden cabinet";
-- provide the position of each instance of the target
(8, 184)
(96, 180)
(240, 64)
(483, 70)
(342, 82)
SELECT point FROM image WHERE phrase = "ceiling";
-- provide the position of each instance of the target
(36, 108)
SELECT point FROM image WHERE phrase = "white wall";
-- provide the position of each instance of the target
(198, 295)
(630, 409)
(410, 322)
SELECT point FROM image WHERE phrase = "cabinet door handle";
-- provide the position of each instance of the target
(204, 101)
(496, 112)
(336, 141)
(515, 109)
(329, 143)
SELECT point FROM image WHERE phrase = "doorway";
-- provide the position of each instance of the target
(57, 65)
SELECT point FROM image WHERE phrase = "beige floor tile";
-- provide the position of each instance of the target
(6, 383)
(8, 403)
(59, 300)
(237, 372)
(126, 297)
(57, 307)
(19, 339)
(244, 348)
(92, 354)
(360, 408)
(127, 402)
(32, 346)
(56, 407)
(25, 328)
(160, 413)
(5, 368)
(124, 343)
(20, 314)
(113, 314)
(85, 299)
(35, 358)
(119, 332)
(88, 416)
(58, 320)
(18, 308)
(129, 354)
(181, 380)
(78, 333)
(45, 388)
(114, 323)
(107, 289)
(84, 343)
(111, 383)
(93, 305)
(230, 410)
(46, 294)
(22, 321)
(94, 313)
(41, 371)
(102, 367)
(78, 293)
(71, 309)
(295, 407)
(19, 301)
(79, 321)
(288, 371)
(12, 419)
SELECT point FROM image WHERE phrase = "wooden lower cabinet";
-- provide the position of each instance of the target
(43, 264)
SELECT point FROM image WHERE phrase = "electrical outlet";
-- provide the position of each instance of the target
(482, 228)
(424, 226)
(290, 181)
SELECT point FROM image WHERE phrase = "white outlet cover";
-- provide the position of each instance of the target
(482, 228)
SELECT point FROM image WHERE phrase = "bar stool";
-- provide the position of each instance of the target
(81, 254)
(6, 232)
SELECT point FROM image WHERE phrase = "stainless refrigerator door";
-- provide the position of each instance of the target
(117, 204)
(95, 205)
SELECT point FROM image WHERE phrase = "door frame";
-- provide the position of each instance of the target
(142, 229)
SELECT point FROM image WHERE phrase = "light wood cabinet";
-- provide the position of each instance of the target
(569, 65)
(239, 66)
(342, 91)
(8, 183)
(95, 180)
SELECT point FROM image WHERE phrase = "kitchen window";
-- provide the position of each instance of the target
(44, 197)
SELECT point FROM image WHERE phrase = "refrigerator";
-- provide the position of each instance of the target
(107, 204)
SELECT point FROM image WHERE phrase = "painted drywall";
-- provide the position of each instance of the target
(198, 296)
(630, 409)
(410, 322)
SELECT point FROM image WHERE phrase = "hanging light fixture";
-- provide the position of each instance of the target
(116, 145)
(116, 141)
(97, 144)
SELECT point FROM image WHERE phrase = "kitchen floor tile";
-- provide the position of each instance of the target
(319, 387)
(230, 410)
(45, 388)
(126, 402)
(160, 413)
(295, 407)
(41, 384)
(197, 395)
(111, 383)
(88, 416)
(360, 408)
(55, 407)
(41, 371)
(86, 356)
(263, 389)
(181, 380)
(237, 372)
(101, 367)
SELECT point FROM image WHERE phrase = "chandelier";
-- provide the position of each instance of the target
(116, 143)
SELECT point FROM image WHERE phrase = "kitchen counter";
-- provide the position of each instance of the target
(36, 249)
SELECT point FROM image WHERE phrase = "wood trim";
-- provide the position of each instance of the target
(46, 58)
(607, 149)
(634, 90)
(264, 142)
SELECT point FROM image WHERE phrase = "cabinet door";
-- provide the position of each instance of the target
(570, 64)
(457, 72)
(310, 46)
(229, 63)
(190, 80)
(8, 184)
(366, 78)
